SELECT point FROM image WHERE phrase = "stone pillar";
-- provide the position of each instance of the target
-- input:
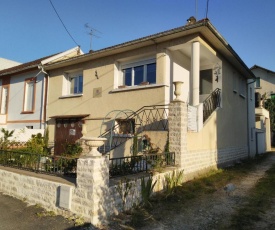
(195, 74)
(93, 181)
(268, 134)
(178, 130)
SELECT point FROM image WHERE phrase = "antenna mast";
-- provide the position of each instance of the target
(206, 13)
(196, 6)
(92, 34)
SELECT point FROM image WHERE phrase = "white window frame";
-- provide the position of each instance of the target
(132, 65)
(67, 86)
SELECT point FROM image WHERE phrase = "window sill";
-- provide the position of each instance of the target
(258, 87)
(123, 135)
(241, 95)
(71, 96)
(138, 87)
(27, 112)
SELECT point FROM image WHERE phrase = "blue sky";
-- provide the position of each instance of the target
(30, 29)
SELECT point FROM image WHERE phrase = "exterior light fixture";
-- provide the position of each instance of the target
(96, 75)
(217, 72)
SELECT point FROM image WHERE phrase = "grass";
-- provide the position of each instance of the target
(258, 202)
(205, 184)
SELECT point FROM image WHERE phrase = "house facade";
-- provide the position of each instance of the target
(23, 90)
(6, 63)
(265, 89)
(265, 81)
(90, 94)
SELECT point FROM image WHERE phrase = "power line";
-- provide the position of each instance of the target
(63, 23)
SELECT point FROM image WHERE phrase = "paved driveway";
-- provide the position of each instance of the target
(17, 215)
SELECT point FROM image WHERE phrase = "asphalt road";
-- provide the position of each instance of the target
(17, 215)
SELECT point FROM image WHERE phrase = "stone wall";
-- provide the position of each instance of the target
(92, 199)
(195, 161)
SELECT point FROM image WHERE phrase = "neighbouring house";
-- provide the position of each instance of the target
(6, 63)
(264, 89)
(23, 90)
(104, 93)
(265, 81)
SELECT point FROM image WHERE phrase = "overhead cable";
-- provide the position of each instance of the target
(63, 23)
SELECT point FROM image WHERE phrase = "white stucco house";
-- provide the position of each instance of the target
(23, 90)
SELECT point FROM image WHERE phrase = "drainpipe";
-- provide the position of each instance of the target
(247, 112)
(44, 102)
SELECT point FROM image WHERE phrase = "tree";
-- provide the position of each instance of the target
(4, 141)
(270, 106)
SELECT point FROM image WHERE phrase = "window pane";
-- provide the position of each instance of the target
(29, 96)
(80, 84)
(4, 101)
(76, 85)
(257, 83)
(151, 73)
(138, 74)
(72, 84)
(128, 77)
(205, 81)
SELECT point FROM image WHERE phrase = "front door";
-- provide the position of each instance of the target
(67, 131)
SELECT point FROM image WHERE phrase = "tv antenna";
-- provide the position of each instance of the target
(92, 32)
(196, 8)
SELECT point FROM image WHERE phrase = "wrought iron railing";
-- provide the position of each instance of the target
(55, 165)
(148, 118)
(143, 163)
(211, 103)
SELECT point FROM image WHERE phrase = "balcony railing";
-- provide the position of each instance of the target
(211, 103)
(143, 163)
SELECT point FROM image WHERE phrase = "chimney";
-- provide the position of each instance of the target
(190, 21)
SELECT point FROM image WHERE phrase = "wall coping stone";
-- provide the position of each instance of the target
(68, 180)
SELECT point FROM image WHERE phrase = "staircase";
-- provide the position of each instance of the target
(147, 118)
(211, 103)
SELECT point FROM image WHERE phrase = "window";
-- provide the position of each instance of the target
(4, 100)
(235, 83)
(242, 87)
(29, 95)
(74, 83)
(139, 73)
(258, 82)
(125, 126)
(206, 81)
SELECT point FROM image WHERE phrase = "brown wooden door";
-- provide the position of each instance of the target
(67, 131)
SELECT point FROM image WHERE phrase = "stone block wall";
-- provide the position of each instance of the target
(196, 161)
(115, 204)
(31, 189)
(92, 199)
